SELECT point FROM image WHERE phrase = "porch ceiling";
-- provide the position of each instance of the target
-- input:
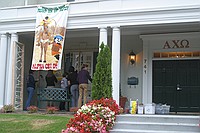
(83, 35)
(134, 30)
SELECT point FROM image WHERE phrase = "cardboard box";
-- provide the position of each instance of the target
(149, 109)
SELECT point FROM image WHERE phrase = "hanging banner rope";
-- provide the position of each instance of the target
(49, 37)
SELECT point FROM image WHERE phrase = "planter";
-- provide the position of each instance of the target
(122, 102)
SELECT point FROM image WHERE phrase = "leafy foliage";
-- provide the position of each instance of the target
(8, 109)
(102, 80)
(32, 109)
(96, 116)
(107, 102)
(51, 110)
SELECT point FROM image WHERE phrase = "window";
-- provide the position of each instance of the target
(176, 54)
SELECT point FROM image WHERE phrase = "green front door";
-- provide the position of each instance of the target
(177, 83)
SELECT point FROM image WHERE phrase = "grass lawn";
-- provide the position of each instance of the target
(32, 123)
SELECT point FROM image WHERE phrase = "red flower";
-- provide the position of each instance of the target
(98, 115)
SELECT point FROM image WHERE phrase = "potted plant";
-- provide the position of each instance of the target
(8, 109)
(122, 100)
(51, 110)
(32, 109)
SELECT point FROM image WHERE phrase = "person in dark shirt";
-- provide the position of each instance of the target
(30, 82)
(72, 81)
(51, 80)
(83, 77)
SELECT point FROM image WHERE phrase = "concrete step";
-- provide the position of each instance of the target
(159, 118)
(129, 123)
(158, 126)
(146, 131)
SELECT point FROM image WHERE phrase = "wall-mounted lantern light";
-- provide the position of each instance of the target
(132, 57)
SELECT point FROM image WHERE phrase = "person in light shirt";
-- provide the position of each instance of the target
(64, 84)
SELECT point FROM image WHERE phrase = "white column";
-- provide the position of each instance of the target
(116, 63)
(14, 38)
(103, 36)
(3, 54)
(145, 73)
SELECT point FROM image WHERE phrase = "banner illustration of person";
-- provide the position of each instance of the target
(50, 32)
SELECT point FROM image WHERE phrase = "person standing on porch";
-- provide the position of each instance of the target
(72, 81)
(30, 82)
(51, 80)
(63, 85)
(83, 77)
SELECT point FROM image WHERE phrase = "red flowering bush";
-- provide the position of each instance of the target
(107, 102)
(32, 109)
(51, 110)
(98, 115)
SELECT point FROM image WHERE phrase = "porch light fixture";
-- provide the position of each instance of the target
(132, 57)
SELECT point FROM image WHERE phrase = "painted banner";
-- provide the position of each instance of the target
(50, 31)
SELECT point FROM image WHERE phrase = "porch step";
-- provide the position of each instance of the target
(129, 123)
(158, 118)
(146, 131)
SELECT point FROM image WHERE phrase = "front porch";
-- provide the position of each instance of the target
(137, 29)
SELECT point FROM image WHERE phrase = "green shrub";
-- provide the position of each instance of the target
(102, 80)
(8, 109)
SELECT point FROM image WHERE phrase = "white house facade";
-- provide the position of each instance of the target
(164, 35)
